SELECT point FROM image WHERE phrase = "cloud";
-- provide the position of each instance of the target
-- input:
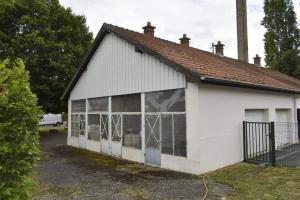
(204, 21)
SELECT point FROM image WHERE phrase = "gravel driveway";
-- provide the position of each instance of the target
(70, 173)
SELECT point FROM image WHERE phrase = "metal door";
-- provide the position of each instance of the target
(152, 139)
(104, 131)
(116, 135)
(82, 131)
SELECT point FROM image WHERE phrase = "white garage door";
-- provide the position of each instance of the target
(282, 127)
(256, 115)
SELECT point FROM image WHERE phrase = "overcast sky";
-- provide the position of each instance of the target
(204, 21)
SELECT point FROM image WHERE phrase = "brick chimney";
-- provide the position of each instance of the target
(257, 60)
(185, 41)
(220, 48)
(149, 29)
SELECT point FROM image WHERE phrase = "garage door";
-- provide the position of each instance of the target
(282, 127)
(256, 115)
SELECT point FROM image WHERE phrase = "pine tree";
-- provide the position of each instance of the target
(50, 39)
(282, 39)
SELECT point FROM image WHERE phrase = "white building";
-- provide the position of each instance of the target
(149, 100)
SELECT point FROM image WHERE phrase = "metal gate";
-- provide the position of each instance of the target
(152, 139)
(259, 142)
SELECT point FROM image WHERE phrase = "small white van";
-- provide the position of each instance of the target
(51, 119)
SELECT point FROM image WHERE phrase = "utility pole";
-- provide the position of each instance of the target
(242, 32)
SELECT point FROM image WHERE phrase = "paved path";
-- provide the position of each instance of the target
(70, 173)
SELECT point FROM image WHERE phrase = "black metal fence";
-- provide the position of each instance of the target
(275, 143)
(258, 142)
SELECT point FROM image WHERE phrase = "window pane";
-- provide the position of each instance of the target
(116, 121)
(75, 125)
(167, 135)
(78, 106)
(126, 103)
(94, 127)
(98, 104)
(180, 135)
(166, 101)
(82, 124)
(132, 131)
(104, 127)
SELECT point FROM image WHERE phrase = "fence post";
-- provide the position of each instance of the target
(245, 140)
(272, 139)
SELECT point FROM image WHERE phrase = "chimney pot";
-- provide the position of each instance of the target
(220, 48)
(257, 60)
(185, 41)
(149, 29)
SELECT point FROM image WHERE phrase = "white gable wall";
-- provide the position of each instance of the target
(116, 69)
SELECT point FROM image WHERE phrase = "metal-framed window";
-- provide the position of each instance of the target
(78, 118)
(98, 118)
(126, 120)
(77, 124)
(169, 108)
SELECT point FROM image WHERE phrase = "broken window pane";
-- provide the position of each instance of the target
(132, 131)
(166, 101)
(94, 127)
(152, 131)
(116, 121)
(166, 134)
(98, 104)
(78, 106)
(126, 103)
(179, 135)
(104, 126)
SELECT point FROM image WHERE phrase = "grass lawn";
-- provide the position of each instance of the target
(255, 182)
(52, 128)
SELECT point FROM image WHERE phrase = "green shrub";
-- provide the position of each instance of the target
(19, 139)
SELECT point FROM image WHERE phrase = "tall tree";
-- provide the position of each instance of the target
(282, 39)
(50, 39)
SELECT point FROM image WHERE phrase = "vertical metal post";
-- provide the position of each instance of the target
(109, 125)
(86, 123)
(272, 140)
(143, 134)
(245, 140)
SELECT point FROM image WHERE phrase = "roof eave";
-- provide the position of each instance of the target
(232, 83)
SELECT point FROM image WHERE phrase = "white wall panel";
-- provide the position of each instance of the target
(214, 121)
(117, 69)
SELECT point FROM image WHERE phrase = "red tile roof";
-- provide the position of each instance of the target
(196, 63)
